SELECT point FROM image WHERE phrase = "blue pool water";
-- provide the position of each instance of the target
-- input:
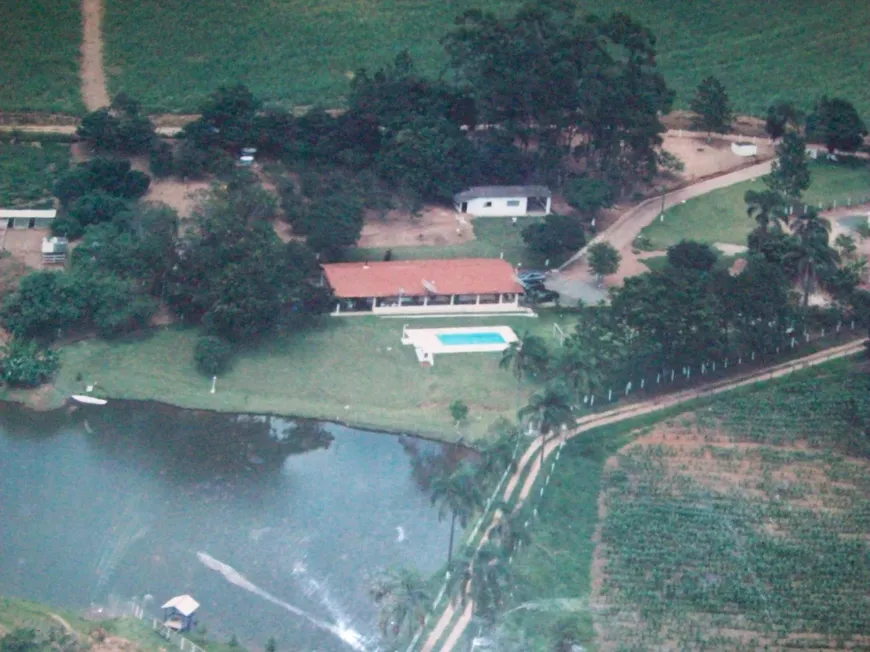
(464, 339)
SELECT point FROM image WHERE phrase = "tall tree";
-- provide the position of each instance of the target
(403, 600)
(547, 74)
(811, 227)
(497, 455)
(809, 258)
(836, 123)
(547, 411)
(457, 493)
(483, 577)
(781, 117)
(526, 355)
(712, 107)
(604, 259)
(591, 354)
(766, 207)
(790, 173)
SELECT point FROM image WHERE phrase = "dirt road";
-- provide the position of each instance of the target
(94, 91)
(531, 459)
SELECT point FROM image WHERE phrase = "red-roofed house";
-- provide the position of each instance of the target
(395, 287)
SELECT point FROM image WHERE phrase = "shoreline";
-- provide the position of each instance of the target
(24, 403)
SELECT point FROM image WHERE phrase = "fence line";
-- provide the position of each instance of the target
(184, 644)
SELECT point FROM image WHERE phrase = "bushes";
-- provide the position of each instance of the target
(212, 355)
(556, 237)
(26, 364)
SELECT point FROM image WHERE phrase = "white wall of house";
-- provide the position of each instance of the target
(497, 206)
(504, 305)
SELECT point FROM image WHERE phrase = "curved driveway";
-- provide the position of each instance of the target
(574, 281)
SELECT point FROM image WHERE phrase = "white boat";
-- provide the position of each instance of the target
(88, 400)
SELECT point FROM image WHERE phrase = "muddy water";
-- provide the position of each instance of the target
(133, 500)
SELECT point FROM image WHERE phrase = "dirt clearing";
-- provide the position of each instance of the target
(436, 226)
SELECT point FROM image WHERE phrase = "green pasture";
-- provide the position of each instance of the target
(170, 53)
(40, 66)
(720, 216)
(351, 369)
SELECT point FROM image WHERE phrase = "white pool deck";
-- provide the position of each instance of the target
(426, 343)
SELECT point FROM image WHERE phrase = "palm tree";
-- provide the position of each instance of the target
(459, 494)
(403, 600)
(525, 355)
(766, 208)
(509, 530)
(549, 410)
(808, 257)
(497, 456)
(811, 227)
(483, 577)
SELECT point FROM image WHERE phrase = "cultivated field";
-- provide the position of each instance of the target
(352, 369)
(40, 41)
(742, 526)
(170, 53)
(720, 216)
(28, 172)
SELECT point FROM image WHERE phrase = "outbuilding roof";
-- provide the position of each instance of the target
(183, 604)
(501, 192)
(26, 213)
(420, 277)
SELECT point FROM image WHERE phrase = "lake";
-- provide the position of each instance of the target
(139, 499)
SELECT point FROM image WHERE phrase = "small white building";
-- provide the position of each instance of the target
(744, 148)
(26, 218)
(504, 201)
(54, 250)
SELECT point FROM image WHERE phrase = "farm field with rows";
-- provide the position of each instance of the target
(170, 53)
(40, 69)
(743, 525)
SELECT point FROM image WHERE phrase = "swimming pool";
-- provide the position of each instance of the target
(475, 339)
(466, 339)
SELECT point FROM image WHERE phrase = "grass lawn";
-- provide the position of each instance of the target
(27, 173)
(494, 236)
(749, 524)
(40, 69)
(351, 369)
(720, 216)
(170, 53)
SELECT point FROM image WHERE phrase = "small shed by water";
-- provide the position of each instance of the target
(178, 613)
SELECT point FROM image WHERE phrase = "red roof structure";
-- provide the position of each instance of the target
(420, 277)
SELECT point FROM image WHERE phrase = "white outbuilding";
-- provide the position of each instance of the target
(504, 201)
(27, 218)
(744, 148)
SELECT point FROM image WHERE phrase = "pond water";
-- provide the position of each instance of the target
(137, 499)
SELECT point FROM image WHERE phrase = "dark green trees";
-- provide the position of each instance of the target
(712, 107)
(836, 123)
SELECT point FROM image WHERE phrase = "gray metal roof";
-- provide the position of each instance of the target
(502, 192)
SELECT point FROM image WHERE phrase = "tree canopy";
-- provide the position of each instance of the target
(712, 107)
(836, 123)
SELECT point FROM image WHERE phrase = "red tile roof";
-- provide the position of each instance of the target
(456, 276)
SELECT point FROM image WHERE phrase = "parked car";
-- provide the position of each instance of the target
(532, 275)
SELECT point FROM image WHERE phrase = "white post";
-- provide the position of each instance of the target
(425, 299)
(476, 299)
(452, 297)
(499, 298)
(337, 308)
(213, 383)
